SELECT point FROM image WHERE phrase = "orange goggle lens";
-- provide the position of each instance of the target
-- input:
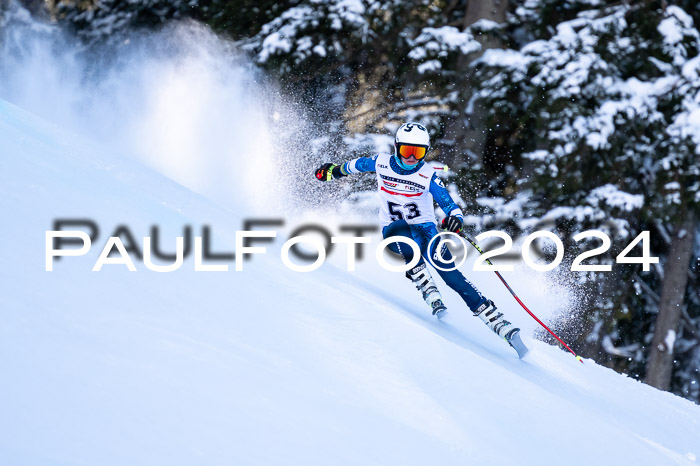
(418, 152)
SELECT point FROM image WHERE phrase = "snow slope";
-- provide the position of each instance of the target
(266, 365)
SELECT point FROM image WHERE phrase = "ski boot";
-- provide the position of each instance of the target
(501, 327)
(420, 276)
(495, 321)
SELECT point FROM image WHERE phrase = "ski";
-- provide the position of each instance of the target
(513, 339)
(518, 344)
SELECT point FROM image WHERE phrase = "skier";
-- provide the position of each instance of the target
(407, 187)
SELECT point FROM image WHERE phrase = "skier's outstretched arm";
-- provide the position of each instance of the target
(329, 171)
(455, 219)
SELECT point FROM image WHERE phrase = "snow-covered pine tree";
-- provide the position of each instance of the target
(368, 66)
(602, 113)
(96, 21)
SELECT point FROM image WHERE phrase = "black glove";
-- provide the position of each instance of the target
(453, 224)
(328, 171)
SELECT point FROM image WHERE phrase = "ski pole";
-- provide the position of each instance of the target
(464, 235)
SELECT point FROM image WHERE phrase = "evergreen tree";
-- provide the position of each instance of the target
(98, 21)
(601, 114)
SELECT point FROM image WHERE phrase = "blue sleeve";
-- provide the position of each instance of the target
(359, 165)
(443, 198)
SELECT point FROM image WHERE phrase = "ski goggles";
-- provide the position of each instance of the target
(407, 150)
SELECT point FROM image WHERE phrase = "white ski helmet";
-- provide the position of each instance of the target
(411, 139)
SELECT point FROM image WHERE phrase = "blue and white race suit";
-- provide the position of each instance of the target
(407, 210)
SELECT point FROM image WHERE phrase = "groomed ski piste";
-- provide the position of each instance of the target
(268, 365)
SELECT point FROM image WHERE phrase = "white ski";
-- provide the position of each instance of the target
(518, 344)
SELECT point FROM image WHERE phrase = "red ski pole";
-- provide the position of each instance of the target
(463, 235)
